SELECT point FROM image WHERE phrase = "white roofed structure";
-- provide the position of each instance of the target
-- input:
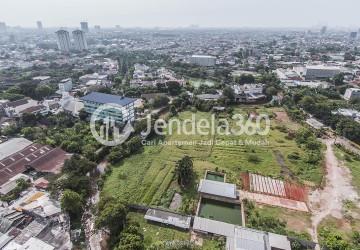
(217, 188)
(168, 218)
(13, 146)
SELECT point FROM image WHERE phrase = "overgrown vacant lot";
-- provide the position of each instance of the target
(353, 163)
(146, 178)
(154, 233)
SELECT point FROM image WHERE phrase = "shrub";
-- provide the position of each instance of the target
(254, 159)
(294, 156)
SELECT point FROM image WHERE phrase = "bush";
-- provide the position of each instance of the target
(254, 159)
(294, 156)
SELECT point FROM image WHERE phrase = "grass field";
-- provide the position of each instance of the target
(144, 178)
(298, 222)
(154, 233)
(157, 233)
(196, 83)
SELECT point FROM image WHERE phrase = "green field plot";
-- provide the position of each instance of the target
(144, 178)
(154, 233)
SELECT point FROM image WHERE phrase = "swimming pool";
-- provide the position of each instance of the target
(220, 211)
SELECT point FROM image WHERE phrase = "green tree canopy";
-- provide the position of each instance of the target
(184, 171)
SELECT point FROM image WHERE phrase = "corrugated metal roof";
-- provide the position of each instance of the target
(242, 238)
(13, 146)
(217, 188)
(107, 99)
(168, 218)
(4, 240)
(279, 241)
(214, 227)
(249, 239)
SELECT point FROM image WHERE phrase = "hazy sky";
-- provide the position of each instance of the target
(175, 13)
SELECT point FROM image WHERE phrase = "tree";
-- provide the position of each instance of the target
(333, 240)
(160, 101)
(174, 88)
(245, 78)
(116, 155)
(173, 111)
(134, 144)
(83, 115)
(42, 91)
(308, 103)
(89, 151)
(112, 215)
(184, 171)
(229, 94)
(71, 202)
(271, 91)
(28, 119)
(131, 242)
(131, 238)
(78, 165)
(10, 130)
(339, 79)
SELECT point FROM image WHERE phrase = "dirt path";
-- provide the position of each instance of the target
(92, 235)
(338, 188)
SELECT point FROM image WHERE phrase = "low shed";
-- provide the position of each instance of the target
(168, 218)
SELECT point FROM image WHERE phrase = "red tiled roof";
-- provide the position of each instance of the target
(41, 158)
(33, 109)
(52, 161)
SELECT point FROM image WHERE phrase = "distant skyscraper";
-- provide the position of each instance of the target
(84, 26)
(353, 35)
(12, 38)
(2, 26)
(39, 25)
(323, 30)
(63, 40)
(97, 27)
(79, 40)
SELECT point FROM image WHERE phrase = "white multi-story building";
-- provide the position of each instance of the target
(65, 85)
(351, 94)
(63, 40)
(39, 25)
(120, 108)
(84, 26)
(80, 43)
(203, 60)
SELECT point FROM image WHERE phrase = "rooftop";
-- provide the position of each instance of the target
(107, 99)
(242, 238)
(204, 56)
(214, 227)
(245, 238)
(35, 244)
(168, 218)
(40, 157)
(12, 146)
(221, 189)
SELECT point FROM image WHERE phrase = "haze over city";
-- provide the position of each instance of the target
(179, 124)
(182, 13)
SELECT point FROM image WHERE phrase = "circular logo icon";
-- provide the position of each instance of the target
(112, 129)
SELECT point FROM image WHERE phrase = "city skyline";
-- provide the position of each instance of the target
(161, 13)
